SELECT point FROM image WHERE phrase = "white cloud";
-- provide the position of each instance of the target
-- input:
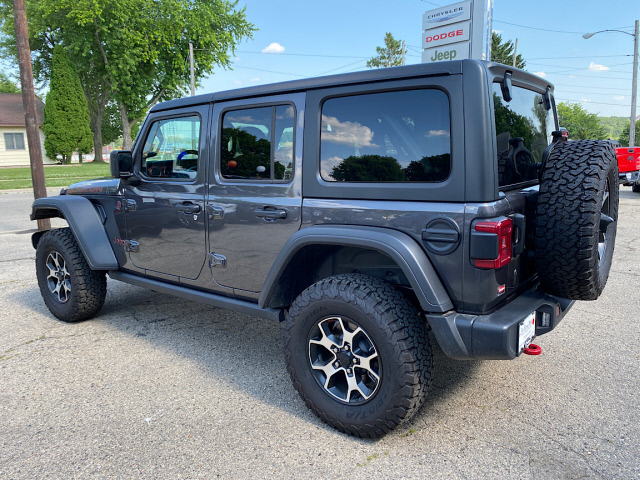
(496, 31)
(438, 133)
(237, 59)
(586, 100)
(618, 97)
(237, 82)
(327, 166)
(594, 67)
(273, 48)
(254, 80)
(540, 74)
(346, 133)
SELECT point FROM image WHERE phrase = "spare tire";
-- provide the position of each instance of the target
(576, 219)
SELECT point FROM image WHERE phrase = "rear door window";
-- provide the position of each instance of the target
(399, 136)
(257, 144)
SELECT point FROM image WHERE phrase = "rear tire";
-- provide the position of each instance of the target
(635, 188)
(70, 289)
(576, 219)
(353, 330)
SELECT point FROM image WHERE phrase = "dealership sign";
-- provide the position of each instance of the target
(458, 31)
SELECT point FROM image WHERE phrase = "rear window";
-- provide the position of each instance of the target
(401, 136)
(523, 131)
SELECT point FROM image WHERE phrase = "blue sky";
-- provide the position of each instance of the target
(316, 38)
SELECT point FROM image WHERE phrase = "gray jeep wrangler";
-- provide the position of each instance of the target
(364, 210)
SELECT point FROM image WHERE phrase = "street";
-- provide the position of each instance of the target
(158, 387)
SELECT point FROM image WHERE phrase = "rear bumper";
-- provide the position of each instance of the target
(495, 336)
(629, 178)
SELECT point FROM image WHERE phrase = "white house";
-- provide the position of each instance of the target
(14, 150)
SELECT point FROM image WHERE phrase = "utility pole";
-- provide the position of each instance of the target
(403, 51)
(29, 104)
(193, 78)
(634, 90)
(515, 53)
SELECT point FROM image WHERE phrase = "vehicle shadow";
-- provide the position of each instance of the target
(242, 351)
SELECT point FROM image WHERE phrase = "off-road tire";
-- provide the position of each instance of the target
(635, 188)
(397, 332)
(571, 203)
(88, 288)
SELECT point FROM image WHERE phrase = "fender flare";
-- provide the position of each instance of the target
(398, 246)
(85, 223)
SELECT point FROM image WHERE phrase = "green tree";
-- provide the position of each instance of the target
(388, 56)
(7, 86)
(66, 117)
(624, 136)
(131, 52)
(614, 125)
(369, 168)
(502, 52)
(580, 124)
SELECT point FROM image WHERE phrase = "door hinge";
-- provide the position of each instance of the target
(131, 246)
(215, 259)
(215, 212)
(130, 205)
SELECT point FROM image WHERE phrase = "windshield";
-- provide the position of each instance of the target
(523, 131)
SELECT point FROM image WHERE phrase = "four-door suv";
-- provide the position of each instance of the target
(364, 210)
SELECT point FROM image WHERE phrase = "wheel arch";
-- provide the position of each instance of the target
(85, 223)
(309, 249)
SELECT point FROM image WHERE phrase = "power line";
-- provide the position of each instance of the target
(298, 54)
(590, 86)
(339, 68)
(271, 71)
(536, 28)
(595, 103)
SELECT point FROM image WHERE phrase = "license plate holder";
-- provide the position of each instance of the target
(526, 331)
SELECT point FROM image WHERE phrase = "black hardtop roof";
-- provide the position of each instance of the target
(374, 75)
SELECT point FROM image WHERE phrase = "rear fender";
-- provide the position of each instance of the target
(398, 246)
(85, 223)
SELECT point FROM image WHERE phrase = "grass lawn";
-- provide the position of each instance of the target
(56, 175)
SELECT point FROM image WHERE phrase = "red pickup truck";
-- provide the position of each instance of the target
(629, 166)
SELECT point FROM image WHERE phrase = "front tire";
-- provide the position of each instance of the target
(358, 354)
(70, 289)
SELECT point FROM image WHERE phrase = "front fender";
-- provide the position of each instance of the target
(398, 246)
(85, 223)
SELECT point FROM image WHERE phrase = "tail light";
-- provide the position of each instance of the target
(488, 232)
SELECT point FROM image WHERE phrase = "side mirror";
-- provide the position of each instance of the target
(121, 163)
(506, 87)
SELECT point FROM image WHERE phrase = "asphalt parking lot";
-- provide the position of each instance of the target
(157, 387)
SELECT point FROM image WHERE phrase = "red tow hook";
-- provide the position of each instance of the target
(532, 349)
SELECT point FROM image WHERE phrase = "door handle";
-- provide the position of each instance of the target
(188, 207)
(272, 214)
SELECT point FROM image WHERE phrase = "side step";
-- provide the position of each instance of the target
(234, 304)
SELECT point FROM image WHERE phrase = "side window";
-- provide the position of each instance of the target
(402, 136)
(257, 143)
(171, 149)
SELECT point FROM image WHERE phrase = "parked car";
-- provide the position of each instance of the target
(629, 167)
(364, 210)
